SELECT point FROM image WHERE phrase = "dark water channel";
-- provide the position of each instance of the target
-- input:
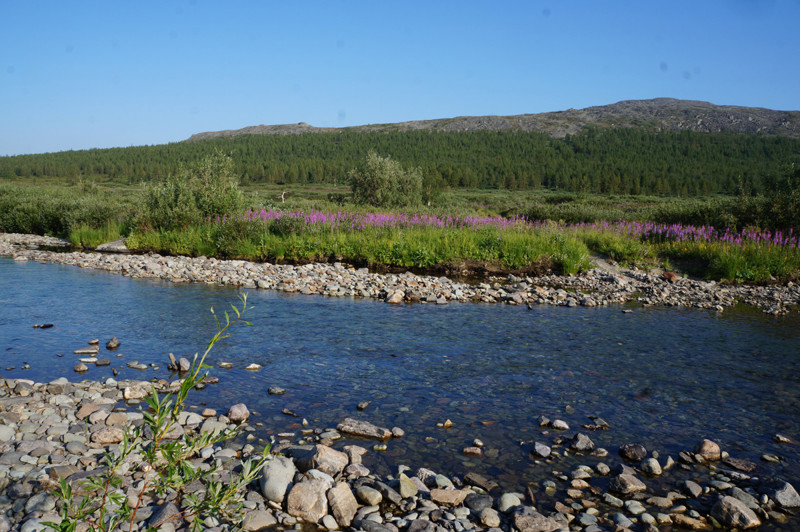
(665, 377)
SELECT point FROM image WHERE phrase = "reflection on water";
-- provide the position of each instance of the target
(664, 377)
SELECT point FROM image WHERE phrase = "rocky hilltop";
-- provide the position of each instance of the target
(659, 114)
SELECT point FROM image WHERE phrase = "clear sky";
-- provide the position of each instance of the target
(80, 74)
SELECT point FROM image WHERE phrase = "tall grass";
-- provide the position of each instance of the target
(410, 247)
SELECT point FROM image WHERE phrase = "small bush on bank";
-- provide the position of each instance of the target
(383, 182)
(207, 189)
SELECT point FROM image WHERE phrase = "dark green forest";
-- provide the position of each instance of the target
(609, 161)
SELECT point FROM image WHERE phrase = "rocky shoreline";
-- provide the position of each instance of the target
(316, 478)
(605, 285)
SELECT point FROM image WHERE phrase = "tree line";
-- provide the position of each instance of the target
(613, 161)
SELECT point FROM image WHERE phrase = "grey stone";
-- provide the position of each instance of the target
(651, 467)
(732, 512)
(691, 488)
(6, 433)
(238, 413)
(364, 429)
(478, 501)
(41, 502)
(507, 501)
(626, 484)
(257, 520)
(634, 452)
(276, 476)
(541, 450)
(162, 514)
(784, 494)
(369, 496)
(748, 500)
(581, 442)
(329, 522)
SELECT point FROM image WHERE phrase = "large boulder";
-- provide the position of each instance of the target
(734, 513)
(308, 501)
(276, 476)
(784, 494)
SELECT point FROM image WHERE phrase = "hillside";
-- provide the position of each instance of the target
(659, 114)
(658, 146)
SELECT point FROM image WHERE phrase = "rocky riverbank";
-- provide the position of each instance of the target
(604, 285)
(316, 478)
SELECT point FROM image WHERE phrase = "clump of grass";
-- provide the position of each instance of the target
(85, 236)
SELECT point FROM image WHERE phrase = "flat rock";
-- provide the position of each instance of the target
(257, 520)
(444, 497)
(108, 435)
(363, 429)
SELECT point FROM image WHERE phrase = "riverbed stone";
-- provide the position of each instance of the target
(364, 429)
(634, 452)
(582, 443)
(734, 513)
(526, 519)
(325, 459)
(650, 466)
(108, 435)
(507, 501)
(6, 433)
(708, 449)
(448, 497)
(626, 484)
(276, 477)
(369, 496)
(308, 501)
(238, 413)
(257, 520)
(784, 494)
(342, 503)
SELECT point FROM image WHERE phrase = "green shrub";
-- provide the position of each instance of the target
(207, 189)
(382, 182)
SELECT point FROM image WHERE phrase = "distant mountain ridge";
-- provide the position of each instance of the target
(659, 114)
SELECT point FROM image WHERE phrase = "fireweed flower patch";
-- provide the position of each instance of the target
(425, 240)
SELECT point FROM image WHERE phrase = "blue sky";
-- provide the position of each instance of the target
(79, 75)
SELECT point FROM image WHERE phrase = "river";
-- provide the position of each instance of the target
(664, 377)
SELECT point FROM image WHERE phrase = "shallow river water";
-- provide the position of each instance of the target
(665, 377)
